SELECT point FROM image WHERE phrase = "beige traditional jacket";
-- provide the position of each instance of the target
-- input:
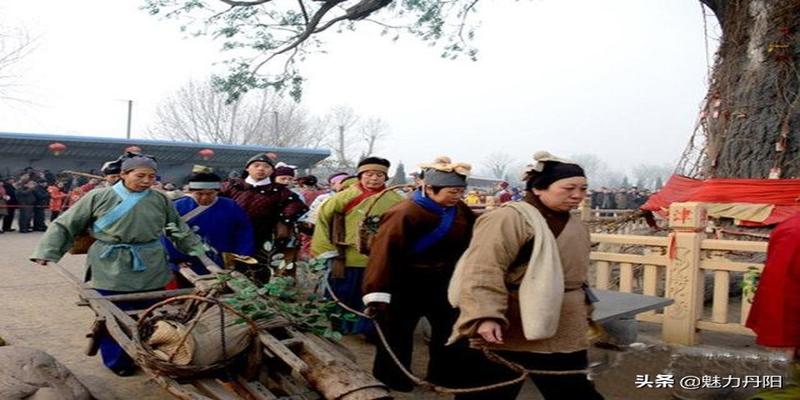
(493, 272)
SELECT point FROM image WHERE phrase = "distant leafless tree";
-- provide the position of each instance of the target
(340, 139)
(647, 176)
(199, 113)
(497, 164)
(349, 135)
(15, 45)
(372, 130)
(598, 173)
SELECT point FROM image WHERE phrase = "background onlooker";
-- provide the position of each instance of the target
(57, 197)
(11, 192)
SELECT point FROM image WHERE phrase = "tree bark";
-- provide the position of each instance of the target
(752, 112)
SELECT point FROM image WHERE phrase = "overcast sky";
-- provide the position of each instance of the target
(621, 79)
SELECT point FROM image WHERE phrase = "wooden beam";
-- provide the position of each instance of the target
(629, 239)
(628, 258)
(727, 328)
(734, 245)
(215, 389)
(155, 295)
(603, 275)
(719, 309)
(733, 266)
(283, 353)
(256, 389)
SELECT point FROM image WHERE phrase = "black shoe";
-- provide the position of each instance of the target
(25, 231)
(10, 230)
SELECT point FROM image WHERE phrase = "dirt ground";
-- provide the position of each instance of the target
(38, 310)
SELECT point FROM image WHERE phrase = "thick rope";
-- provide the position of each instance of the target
(492, 356)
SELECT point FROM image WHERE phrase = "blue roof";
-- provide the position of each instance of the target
(34, 146)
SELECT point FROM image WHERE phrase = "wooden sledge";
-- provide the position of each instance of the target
(295, 365)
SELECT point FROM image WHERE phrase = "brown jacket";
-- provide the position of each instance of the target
(496, 261)
(391, 257)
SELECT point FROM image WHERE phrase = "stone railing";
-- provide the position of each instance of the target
(676, 266)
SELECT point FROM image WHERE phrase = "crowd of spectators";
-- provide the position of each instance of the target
(618, 198)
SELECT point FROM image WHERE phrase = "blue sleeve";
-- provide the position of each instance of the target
(173, 255)
(244, 232)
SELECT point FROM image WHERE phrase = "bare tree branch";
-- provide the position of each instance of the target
(234, 3)
(15, 46)
(303, 10)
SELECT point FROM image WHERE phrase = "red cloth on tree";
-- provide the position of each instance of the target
(784, 194)
(775, 315)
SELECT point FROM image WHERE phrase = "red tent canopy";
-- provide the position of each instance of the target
(784, 194)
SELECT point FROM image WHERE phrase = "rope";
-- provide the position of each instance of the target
(222, 329)
(492, 356)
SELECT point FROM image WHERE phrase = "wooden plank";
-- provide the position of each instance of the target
(155, 295)
(727, 328)
(735, 245)
(733, 266)
(176, 389)
(256, 389)
(719, 308)
(215, 389)
(626, 277)
(296, 387)
(283, 353)
(629, 239)
(650, 286)
(603, 276)
(628, 258)
(615, 305)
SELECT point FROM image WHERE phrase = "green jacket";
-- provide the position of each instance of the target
(321, 243)
(112, 258)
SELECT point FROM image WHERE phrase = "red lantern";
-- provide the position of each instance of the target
(57, 148)
(133, 149)
(206, 153)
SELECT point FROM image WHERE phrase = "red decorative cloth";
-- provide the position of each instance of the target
(775, 315)
(784, 194)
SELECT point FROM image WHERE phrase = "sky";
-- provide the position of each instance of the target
(621, 79)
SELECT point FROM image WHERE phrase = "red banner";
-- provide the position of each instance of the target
(784, 194)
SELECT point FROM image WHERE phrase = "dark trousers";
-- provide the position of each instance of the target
(25, 218)
(348, 290)
(552, 387)
(38, 218)
(8, 220)
(114, 357)
(422, 294)
(54, 215)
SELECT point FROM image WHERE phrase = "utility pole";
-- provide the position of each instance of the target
(130, 115)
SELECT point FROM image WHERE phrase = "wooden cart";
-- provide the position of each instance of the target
(295, 365)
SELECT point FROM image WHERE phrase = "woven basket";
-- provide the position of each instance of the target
(82, 243)
(150, 359)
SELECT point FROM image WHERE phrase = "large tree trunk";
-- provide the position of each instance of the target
(752, 112)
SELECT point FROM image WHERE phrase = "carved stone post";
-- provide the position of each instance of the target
(586, 210)
(684, 277)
